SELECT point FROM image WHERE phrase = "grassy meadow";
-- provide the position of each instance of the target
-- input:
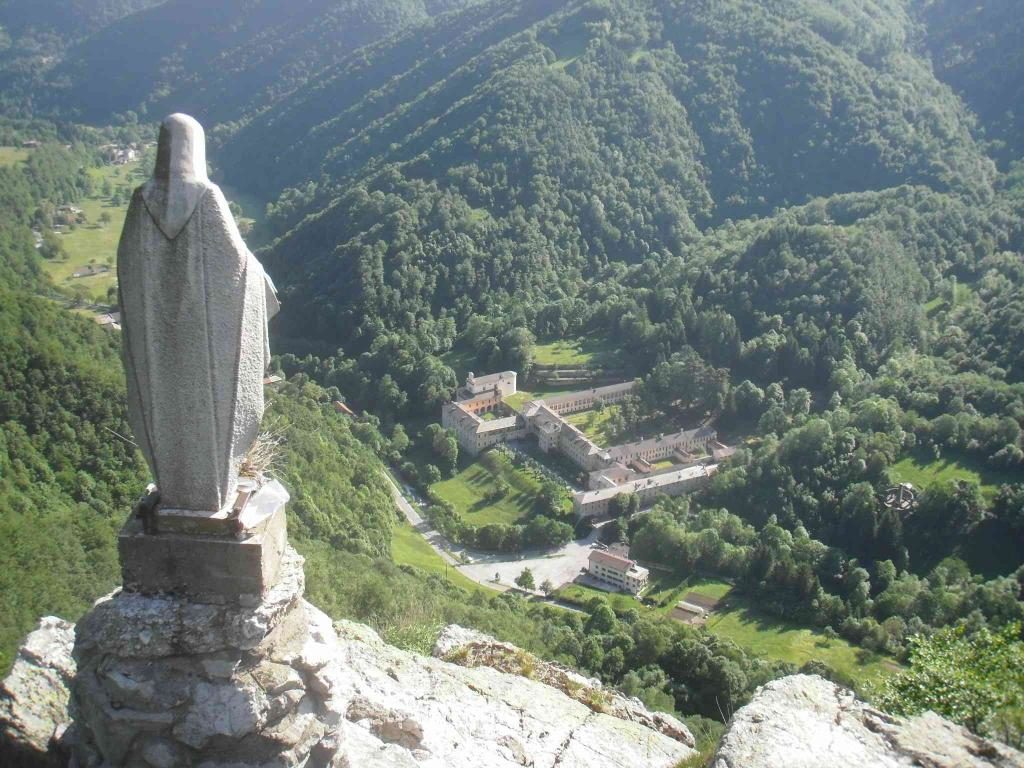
(771, 638)
(573, 353)
(923, 470)
(93, 242)
(738, 620)
(13, 155)
(471, 493)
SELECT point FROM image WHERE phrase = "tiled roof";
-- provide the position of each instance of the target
(610, 560)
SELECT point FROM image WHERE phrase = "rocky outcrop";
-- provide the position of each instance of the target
(445, 715)
(159, 684)
(337, 696)
(808, 722)
(34, 697)
(470, 648)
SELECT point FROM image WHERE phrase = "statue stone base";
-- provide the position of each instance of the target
(209, 558)
(167, 682)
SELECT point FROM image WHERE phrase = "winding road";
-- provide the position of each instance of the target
(559, 566)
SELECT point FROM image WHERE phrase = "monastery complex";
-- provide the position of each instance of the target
(480, 419)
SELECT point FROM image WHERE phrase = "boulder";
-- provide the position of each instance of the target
(805, 721)
(34, 697)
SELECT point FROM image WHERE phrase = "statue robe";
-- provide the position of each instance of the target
(195, 304)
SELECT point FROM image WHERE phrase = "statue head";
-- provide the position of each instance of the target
(179, 179)
(181, 153)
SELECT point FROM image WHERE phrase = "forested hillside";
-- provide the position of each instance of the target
(220, 61)
(66, 476)
(731, 108)
(784, 218)
(70, 19)
(775, 213)
(548, 167)
(34, 33)
(975, 47)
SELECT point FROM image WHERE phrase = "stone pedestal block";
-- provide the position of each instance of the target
(221, 567)
(164, 681)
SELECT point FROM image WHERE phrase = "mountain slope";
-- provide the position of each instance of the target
(219, 60)
(69, 19)
(976, 48)
(787, 101)
(516, 149)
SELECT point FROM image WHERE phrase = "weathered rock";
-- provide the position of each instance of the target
(470, 648)
(34, 697)
(477, 716)
(805, 721)
(341, 697)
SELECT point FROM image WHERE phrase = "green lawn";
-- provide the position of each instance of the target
(578, 594)
(573, 352)
(922, 470)
(596, 424)
(409, 548)
(523, 396)
(93, 243)
(666, 589)
(12, 155)
(769, 637)
(470, 489)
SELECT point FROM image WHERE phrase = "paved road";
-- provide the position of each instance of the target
(559, 566)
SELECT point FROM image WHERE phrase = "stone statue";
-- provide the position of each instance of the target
(194, 306)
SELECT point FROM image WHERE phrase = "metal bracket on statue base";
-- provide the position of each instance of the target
(229, 557)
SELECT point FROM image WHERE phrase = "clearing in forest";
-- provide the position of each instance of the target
(735, 618)
(95, 243)
(923, 470)
(12, 155)
(773, 638)
(574, 352)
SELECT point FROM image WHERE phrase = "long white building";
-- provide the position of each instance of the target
(646, 488)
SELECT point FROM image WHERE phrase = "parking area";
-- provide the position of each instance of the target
(557, 566)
